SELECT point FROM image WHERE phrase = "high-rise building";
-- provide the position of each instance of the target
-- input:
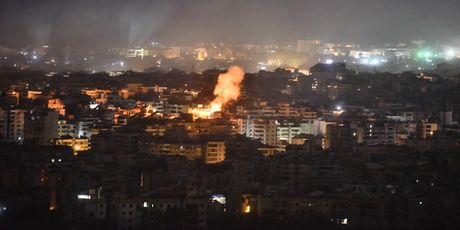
(322, 73)
(287, 130)
(12, 125)
(377, 134)
(426, 129)
(50, 128)
(308, 46)
(263, 129)
(339, 137)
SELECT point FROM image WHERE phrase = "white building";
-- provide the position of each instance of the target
(84, 129)
(263, 129)
(314, 126)
(287, 130)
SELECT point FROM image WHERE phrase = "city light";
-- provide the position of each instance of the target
(375, 62)
(427, 54)
(302, 115)
(450, 54)
(247, 209)
(83, 197)
(219, 198)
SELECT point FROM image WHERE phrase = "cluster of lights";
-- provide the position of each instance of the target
(372, 61)
(314, 85)
(343, 221)
(425, 54)
(118, 63)
(428, 55)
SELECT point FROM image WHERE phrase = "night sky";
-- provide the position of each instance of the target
(136, 22)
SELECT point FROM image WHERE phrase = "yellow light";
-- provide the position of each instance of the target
(247, 209)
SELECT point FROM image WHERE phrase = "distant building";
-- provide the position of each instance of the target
(314, 126)
(124, 143)
(77, 144)
(287, 130)
(377, 134)
(308, 46)
(84, 129)
(57, 105)
(263, 129)
(34, 95)
(175, 109)
(322, 73)
(172, 52)
(50, 128)
(158, 147)
(426, 129)
(338, 137)
(66, 129)
(12, 125)
(98, 95)
(214, 152)
(269, 150)
(201, 54)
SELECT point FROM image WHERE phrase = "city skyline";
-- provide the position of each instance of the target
(229, 114)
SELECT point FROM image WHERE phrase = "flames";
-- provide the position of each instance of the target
(227, 89)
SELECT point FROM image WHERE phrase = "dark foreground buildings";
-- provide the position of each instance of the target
(335, 149)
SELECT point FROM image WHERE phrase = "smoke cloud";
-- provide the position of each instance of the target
(227, 88)
(118, 23)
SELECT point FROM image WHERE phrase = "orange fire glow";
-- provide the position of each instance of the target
(227, 89)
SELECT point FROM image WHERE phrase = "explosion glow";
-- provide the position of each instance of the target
(227, 89)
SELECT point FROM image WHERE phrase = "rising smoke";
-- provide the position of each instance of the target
(227, 88)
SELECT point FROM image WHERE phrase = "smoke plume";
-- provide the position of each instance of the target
(227, 88)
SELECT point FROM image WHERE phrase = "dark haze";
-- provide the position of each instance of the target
(123, 23)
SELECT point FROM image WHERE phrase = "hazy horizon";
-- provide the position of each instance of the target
(129, 23)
